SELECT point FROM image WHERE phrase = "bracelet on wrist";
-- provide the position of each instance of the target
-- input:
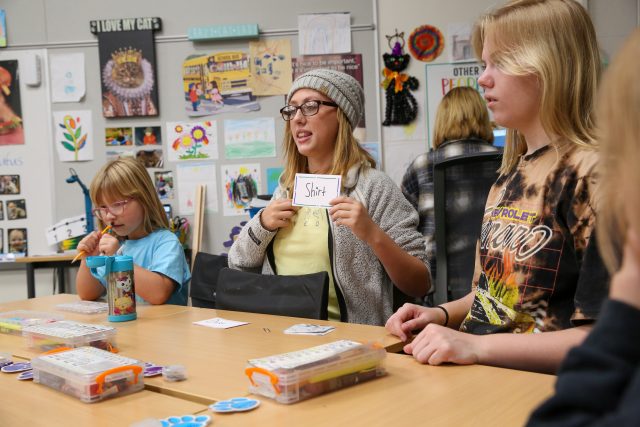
(446, 314)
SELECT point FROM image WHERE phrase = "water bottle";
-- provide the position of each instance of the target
(121, 294)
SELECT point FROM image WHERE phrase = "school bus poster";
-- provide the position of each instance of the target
(218, 83)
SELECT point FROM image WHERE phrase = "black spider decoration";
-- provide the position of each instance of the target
(401, 107)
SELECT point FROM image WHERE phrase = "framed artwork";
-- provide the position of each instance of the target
(148, 135)
(150, 158)
(127, 66)
(11, 131)
(9, 184)
(16, 209)
(17, 240)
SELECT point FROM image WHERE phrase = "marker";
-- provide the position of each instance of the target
(81, 253)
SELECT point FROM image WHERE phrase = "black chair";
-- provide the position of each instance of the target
(400, 298)
(461, 185)
(303, 295)
(204, 279)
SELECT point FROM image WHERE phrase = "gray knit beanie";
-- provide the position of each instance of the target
(341, 88)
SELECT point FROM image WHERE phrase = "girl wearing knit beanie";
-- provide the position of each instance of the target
(368, 240)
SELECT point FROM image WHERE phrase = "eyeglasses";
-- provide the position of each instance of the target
(309, 108)
(115, 209)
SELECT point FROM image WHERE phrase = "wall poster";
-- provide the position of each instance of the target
(127, 66)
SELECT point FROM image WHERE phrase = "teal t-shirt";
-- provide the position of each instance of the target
(160, 252)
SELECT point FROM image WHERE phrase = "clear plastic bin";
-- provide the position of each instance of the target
(67, 333)
(299, 375)
(12, 322)
(84, 307)
(88, 373)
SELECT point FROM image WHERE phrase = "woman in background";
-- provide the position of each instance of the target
(461, 127)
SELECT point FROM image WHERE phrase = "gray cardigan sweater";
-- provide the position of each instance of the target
(360, 276)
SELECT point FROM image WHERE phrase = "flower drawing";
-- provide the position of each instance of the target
(74, 139)
(190, 140)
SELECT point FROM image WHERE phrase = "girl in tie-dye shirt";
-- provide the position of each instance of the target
(538, 275)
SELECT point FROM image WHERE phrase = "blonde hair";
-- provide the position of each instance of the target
(555, 41)
(347, 152)
(127, 178)
(462, 114)
(619, 130)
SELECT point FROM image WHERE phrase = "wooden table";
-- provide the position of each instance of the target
(214, 358)
(59, 262)
(413, 394)
(29, 404)
(215, 361)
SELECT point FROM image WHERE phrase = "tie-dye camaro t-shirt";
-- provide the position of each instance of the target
(537, 267)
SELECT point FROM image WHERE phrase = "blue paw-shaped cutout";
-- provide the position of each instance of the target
(237, 404)
(16, 367)
(26, 375)
(186, 421)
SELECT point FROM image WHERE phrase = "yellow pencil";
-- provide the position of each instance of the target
(106, 230)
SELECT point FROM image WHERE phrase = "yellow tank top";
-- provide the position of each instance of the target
(303, 248)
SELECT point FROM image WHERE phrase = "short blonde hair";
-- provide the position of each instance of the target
(347, 152)
(126, 178)
(462, 114)
(619, 167)
(555, 41)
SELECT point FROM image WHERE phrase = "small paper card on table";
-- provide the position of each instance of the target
(220, 323)
(315, 190)
(308, 329)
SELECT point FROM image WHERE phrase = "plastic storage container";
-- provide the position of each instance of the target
(88, 373)
(12, 322)
(299, 375)
(84, 307)
(67, 333)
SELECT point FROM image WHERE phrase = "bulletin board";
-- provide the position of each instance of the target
(30, 162)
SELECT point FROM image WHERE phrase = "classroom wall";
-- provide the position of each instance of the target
(614, 20)
(402, 144)
(63, 25)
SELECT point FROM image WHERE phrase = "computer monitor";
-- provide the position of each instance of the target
(499, 136)
(168, 211)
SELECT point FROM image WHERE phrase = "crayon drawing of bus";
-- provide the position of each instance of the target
(212, 81)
